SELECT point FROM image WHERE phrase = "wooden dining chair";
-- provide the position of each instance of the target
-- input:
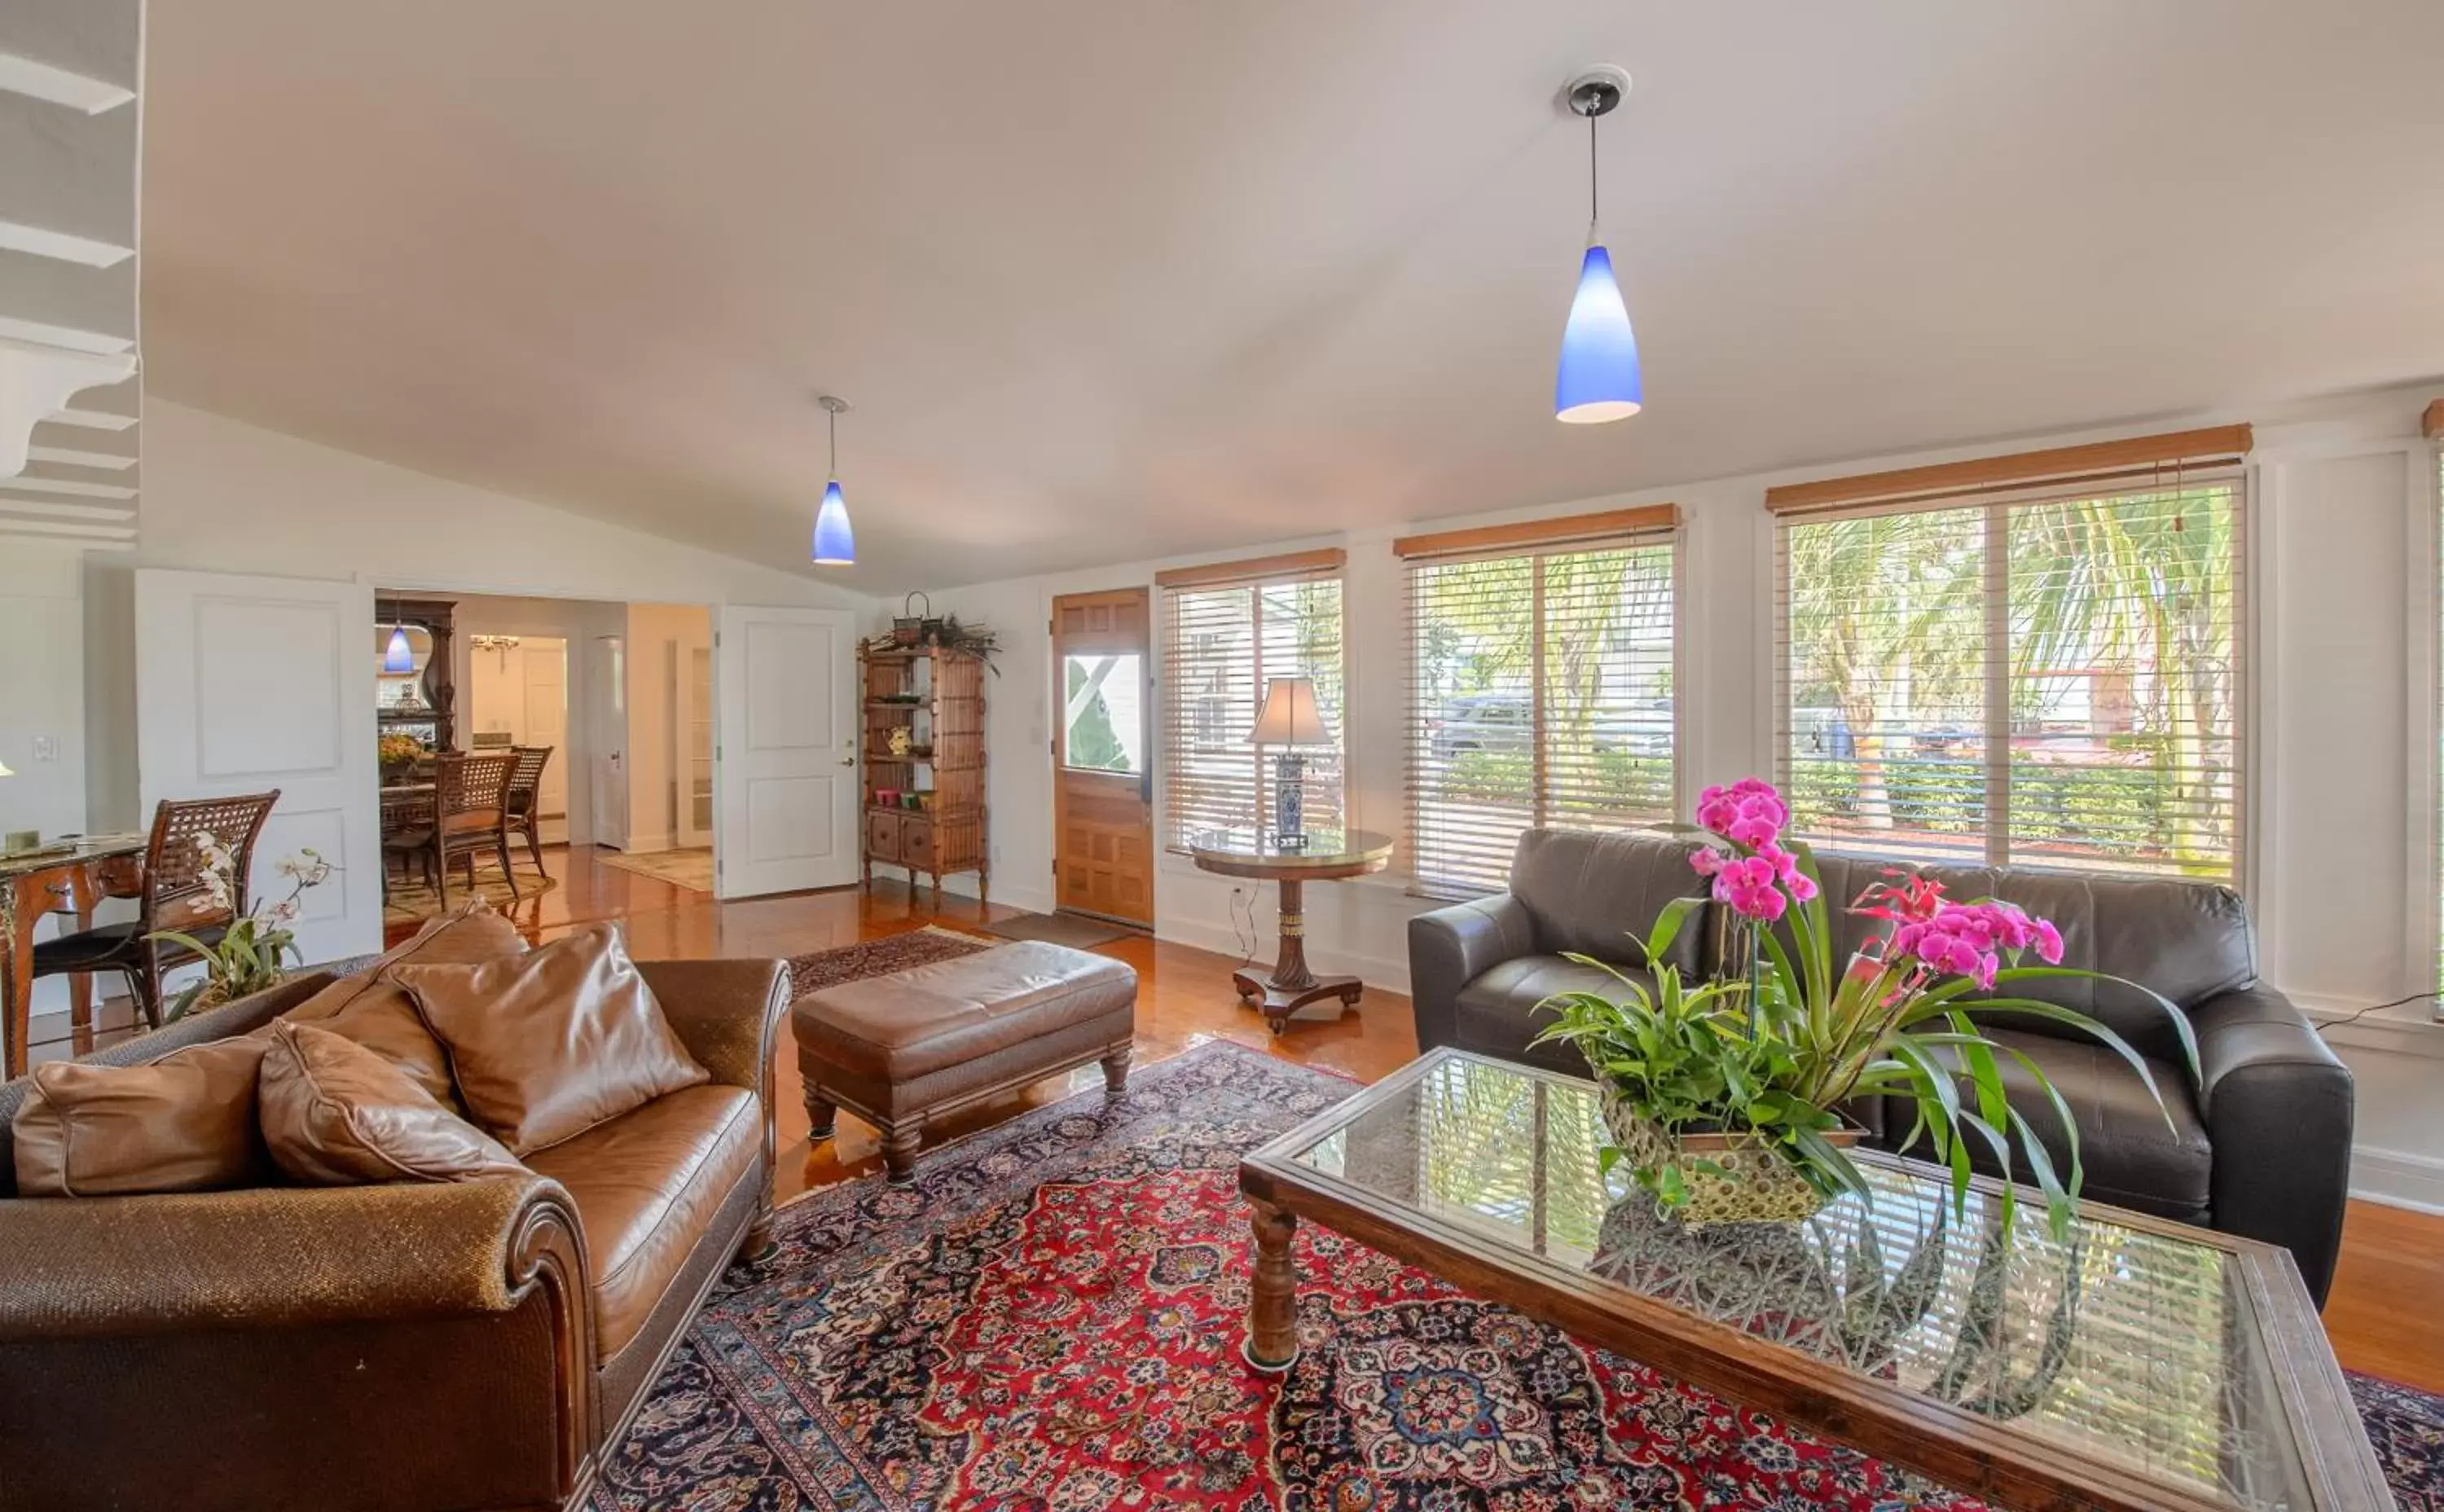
(469, 816)
(525, 796)
(170, 894)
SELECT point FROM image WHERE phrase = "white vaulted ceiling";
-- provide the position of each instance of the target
(1113, 280)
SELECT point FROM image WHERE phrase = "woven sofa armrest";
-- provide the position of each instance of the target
(726, 1013)
(287, 1257)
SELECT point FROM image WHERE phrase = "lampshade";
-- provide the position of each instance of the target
(835, 545)
(1598, 378)
(399, 656)
(4, 771)
(1289, 716)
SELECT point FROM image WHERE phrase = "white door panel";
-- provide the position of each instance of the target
(785, 780)
(245, 684)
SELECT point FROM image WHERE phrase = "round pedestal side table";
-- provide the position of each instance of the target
(1327, 855)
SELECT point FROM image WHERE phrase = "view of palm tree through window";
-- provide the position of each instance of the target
(1220, 645)
(1543, 695)
(2052, 682)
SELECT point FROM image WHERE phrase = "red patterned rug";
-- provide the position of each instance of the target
(1050, 1319)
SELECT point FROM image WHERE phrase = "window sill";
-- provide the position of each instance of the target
(2410, 1030)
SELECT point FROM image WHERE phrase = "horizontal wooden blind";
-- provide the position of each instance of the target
(2034, 677)
(1221, 640)
(1541, 694)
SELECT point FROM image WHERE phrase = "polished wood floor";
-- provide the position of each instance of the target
(2382, 1317)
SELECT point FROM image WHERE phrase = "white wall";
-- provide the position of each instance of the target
(660, 637)
(2344, 495)
(221, 495)
(42, 704)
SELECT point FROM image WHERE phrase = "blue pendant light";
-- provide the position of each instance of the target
(1598, 378)
(399, 656)
(835, 543)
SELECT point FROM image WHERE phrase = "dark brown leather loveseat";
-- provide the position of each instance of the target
(2258, 1142)
(399, 1346)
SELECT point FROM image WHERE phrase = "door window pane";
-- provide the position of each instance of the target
(1104, 716)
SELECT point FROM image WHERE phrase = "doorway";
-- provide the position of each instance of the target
(517, 694)
(1103, 757)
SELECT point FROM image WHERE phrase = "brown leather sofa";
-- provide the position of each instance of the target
(2258, 1142)
(410, 1347)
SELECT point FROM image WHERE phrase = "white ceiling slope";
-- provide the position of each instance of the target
(1110, 281)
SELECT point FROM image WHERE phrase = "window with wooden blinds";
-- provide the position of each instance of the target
(1543, 689)
(1221, 640)
(2047, 675)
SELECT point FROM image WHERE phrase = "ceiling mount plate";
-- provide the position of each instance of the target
(1595, 91)
(832, 402)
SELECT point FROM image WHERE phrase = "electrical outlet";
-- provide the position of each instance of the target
(47, 747)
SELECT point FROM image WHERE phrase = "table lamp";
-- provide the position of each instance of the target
(18, 842)
(1289, 719)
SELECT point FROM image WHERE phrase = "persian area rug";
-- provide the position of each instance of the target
(1050, 1319)
(818, 969)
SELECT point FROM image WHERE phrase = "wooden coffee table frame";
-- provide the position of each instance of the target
(1980, 1456)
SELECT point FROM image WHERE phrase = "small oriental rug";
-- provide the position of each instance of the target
(1050, 1319)
(689, 867)
(408, 897)
(1075, 931)
(818, 969)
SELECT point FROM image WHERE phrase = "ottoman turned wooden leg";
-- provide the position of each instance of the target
(821, 1116)
(758, 1244)
(900, 1142)
(1116, 1070)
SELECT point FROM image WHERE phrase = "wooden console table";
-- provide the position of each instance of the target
(68, 879)
(1329, 856)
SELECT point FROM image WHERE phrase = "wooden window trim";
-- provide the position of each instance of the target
(1289, 566)
(1575, 528)
(2069, 465)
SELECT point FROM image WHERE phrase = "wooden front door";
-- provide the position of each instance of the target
(1103, 781)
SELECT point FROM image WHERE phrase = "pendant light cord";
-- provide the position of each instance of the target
(833, 416)
(1594, 204)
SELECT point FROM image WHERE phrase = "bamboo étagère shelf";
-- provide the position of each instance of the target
(924, 808)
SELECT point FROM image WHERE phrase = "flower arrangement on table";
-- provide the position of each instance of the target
(1725, 1097)
(247, 957)
(396, 750)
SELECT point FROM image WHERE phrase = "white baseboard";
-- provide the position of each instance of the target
(2397, 1178)
(1206, 934)
(646, 844)
(1034, 900)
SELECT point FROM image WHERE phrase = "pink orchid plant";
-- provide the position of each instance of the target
(1780, 1042)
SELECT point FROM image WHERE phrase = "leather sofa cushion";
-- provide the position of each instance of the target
(1588, 890)
(183, 1123)
(336, 1113)
(2188, 941)
(1497, 1012)
(380, 1015)
(909, 1024)
(2132, 1155)
(646, 1184)
(546, 1045)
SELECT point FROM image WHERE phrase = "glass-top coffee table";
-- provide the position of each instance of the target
(2140, 1364)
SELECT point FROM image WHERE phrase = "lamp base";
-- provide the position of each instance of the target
(1290, 802)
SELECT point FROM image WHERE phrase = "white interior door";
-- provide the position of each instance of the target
(607, 706)
(245, 684)
(785, 762)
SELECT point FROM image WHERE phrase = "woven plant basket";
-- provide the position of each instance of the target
(1758, 1184)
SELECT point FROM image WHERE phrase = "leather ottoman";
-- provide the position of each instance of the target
(902, 1049)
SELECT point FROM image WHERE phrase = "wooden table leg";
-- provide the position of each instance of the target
(16, 974)
(1272, 1345)
(1293, 986)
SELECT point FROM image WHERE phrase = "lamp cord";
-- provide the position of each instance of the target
(833, 416)
(1595, 206)
(2373, 1007)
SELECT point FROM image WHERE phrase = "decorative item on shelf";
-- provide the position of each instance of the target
(1721, 1097)
(247, 957)
(914, 629)
(966, 640)
(1598, 378)
(397, 656)
(1289, 719)
(912, 801)
(901, 739)
(886, 798)
(835, 543)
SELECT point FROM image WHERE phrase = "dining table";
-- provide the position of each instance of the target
(68, 877)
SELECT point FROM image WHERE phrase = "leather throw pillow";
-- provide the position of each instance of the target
(380, 1015)
(183, 1123)
(547, 1044)
(336, 1113)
